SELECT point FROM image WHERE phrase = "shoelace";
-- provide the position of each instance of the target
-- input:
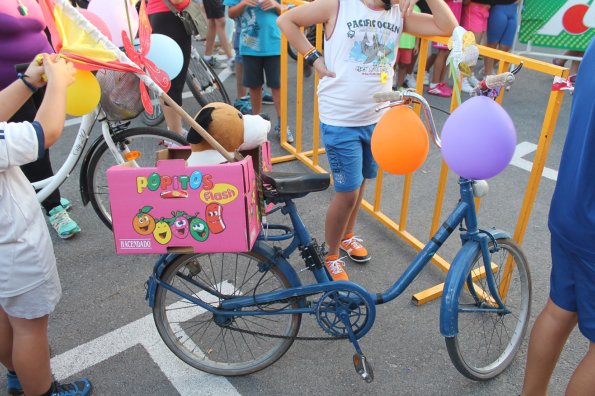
(335, 266)
(61, 218)
(353, 242)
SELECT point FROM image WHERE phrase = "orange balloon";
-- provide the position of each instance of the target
(400, 141)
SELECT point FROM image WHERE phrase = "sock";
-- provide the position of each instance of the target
(207, 57)
(433, 85)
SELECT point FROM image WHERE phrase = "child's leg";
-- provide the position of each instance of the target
(401, 73)
(337, 222)
(210, 39)
(439, 73)
(355, 211)
(256, 99)
(582, 381)
(5, 341)
(223, 40)
(30, 354)
(276, 92)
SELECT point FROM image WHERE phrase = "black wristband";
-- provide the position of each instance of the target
(311, 57)
(22, 77)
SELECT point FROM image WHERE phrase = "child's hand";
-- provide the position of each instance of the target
(35, 73)
(251, 3)
(266, 5)
(58, 70)
(406, 7)
(321, 69)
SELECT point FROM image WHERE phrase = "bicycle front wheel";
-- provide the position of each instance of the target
(218, 344)
(144, 141)
(205, 85)
(487, 340)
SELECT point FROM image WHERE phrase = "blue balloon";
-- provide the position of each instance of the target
(166, 54)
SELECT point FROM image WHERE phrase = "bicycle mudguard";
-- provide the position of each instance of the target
(455, 281)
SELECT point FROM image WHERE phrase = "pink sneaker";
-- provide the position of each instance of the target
(441, 89)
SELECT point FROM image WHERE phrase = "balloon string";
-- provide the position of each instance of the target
(455, 82)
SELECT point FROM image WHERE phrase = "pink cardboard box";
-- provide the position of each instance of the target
(175, 208)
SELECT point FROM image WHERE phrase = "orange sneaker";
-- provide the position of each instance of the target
(334, 265)
(351, 245)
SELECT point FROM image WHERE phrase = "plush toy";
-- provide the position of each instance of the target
(232, 129)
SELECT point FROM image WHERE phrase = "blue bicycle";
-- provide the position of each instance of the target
(237, 313)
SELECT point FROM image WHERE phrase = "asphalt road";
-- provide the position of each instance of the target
(102, 328)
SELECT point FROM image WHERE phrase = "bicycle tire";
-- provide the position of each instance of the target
(471, 350)
(157, 117)
(204, 83)
(153, 139)
(208, 343)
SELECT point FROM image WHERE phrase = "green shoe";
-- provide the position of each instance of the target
(66, 204)
(62, 223)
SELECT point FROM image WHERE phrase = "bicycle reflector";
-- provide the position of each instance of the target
(132, 155)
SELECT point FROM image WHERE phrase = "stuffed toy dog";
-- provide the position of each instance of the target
(232, 129)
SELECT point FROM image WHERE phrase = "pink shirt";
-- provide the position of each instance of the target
(156, 6)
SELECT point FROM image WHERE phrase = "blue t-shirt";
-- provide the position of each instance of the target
(260, 35)
(572, 212)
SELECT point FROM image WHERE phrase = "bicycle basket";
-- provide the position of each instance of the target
(120, 94)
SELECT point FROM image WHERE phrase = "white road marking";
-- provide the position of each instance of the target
(186, 379)
(525, 148)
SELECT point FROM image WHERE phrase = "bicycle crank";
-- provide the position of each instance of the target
(363, 367)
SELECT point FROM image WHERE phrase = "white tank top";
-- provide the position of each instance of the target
(361, 50)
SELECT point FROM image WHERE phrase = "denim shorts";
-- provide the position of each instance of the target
(349, 154)
(572, 286)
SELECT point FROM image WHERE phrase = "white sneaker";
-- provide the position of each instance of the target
(410, 81)
(466, 86)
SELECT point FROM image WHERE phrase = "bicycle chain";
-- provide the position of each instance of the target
(286, 337)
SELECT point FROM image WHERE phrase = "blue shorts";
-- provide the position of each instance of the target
(502, 24)
(349, 155)
(572, 286)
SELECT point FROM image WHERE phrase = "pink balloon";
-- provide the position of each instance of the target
(113, 13)
(97, 22)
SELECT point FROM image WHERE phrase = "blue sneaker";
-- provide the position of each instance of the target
(243, 105)
(290, 138)
(14, 387)
(81, 387)
(267, 98)
(62, 223)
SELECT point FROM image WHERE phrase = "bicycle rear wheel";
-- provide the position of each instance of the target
(146, 141)
(205, 85)
(487, 341)
(223, 345)
(157, 117)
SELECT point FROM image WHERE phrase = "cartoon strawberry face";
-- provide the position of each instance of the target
(214, 217)
(180, 225)
(143, 223)
(162, 232)
(199, 229)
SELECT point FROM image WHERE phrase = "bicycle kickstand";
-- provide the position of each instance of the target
(362, 366)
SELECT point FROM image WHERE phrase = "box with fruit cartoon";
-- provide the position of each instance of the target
(175, 208)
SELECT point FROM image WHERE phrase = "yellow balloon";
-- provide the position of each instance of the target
(83, 95)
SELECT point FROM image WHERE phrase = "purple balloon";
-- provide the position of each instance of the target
(478, 139)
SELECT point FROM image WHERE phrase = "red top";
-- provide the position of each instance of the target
(156, 6)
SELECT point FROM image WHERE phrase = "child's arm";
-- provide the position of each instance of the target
(237, 10)
(441, 23)
(13, 97)
(267, 5)
(52, 112)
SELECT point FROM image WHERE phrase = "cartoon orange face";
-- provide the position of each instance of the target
(143, 223)
(214, 218)
(162, 232)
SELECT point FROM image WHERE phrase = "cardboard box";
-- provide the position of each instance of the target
(175, 208)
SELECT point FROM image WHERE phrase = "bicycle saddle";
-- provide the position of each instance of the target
(296, 183)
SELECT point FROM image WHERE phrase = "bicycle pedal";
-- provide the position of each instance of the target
(363, 367)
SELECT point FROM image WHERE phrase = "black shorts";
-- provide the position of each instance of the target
(256, 67)
(214, 9)
(169, 24)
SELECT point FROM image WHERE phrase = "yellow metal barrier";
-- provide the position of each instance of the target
(311, 157)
